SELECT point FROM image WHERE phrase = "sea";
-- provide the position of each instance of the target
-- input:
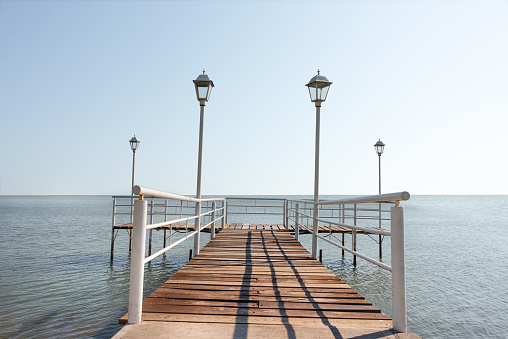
(57, 280)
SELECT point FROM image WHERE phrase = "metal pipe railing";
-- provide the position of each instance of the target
(139, 238)
(397, 269)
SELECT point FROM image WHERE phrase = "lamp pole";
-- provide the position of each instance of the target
(203, 86)
(379, 146)
(134, 142)
(318, 89)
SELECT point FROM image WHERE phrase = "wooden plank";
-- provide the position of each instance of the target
(198, 318)
(248, 274)
(157, 308)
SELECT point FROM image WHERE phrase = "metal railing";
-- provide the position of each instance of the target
(138, 259)
(159, 210)
(347, 213)
(248, 206)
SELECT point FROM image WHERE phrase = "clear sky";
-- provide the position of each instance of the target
(79, 78)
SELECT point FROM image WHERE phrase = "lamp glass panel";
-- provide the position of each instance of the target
(313, 93)
(323, 92)
(209, 91)
(202, 92)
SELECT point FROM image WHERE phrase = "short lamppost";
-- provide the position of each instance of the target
(134, 142)
(379, 147)
(318, 89)
(203, 86)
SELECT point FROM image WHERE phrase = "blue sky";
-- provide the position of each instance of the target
(79, 78)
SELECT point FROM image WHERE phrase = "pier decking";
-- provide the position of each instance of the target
(249, 276)
(304, 229)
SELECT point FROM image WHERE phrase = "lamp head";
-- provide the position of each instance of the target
(204, 87)
(318, 88)
(134, 143)
(379, 146)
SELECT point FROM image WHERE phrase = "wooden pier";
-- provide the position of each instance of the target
(304, 229)
(256, 278)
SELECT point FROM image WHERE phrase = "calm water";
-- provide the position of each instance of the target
(56, 279)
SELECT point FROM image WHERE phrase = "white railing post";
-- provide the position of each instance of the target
(284, 213)
(353, 236)
(225, 213)
(399, 311)
(165, 219)
(212, 226)
(297, 227)
(137, 262)
(197, 226)
(151, 231)
(315, 231)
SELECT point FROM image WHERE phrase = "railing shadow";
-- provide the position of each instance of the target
(240, 329)
(335, 331)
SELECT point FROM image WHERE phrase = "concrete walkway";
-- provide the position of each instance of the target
(152, 329)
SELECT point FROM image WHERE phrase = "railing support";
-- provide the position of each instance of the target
(224, 219)
(226, 205)
(212, 226)
(165, 219)
(297, 226)
(353, 235)
(197, 226)
(150, 231)
(399, 311)
(315, 231)
(285, 214)
(137, 262)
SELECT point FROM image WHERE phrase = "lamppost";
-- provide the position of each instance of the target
(203, 86)
(379, 147)
(134, 142)
(318, 89)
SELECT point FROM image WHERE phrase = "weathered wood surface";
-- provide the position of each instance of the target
(259, 276)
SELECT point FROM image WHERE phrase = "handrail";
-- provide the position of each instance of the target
(140, 227)
(365, 229)
(150, 192)
(389, 197)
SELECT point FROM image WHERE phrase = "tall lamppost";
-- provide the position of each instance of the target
(318, 89)
(134, 142)
(379, 147)
(203, 86)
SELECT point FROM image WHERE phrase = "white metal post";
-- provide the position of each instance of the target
(286, 214)
(225, 213)
(399, 311)
(151, 230)
(197, 223)
(297, 226)
(214, 205)
(165, 219)
(353, 236)
(137, 262)
(316, 185)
